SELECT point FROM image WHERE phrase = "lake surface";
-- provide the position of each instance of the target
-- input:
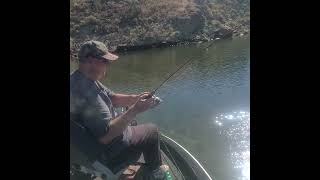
(206, 105)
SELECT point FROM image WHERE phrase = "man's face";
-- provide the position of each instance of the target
(99, 67)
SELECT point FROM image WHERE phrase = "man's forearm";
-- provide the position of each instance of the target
(118, 125)
(123, 100)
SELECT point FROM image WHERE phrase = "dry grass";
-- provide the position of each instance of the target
(132, 22)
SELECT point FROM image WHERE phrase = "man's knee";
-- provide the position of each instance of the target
(152, 129)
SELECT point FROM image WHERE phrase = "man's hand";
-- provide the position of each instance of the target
(142, 104)
(144, 93)
(125, 100)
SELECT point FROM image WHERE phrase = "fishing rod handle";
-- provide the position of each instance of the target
(150, 95)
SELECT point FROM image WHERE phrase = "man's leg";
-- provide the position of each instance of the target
(146, 139)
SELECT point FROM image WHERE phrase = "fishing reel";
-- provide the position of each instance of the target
(156, 100)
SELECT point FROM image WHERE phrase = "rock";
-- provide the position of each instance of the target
(132, 24)
(188, 26)
(224, 32)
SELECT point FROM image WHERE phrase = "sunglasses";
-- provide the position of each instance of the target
(104, 60)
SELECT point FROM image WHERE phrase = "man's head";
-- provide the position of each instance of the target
(94, 58)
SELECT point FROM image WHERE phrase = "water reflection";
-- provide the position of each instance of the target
(235, 127)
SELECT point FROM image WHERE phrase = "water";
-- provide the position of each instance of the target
(206, 106)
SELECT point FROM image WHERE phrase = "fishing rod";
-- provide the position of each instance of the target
(187, 62)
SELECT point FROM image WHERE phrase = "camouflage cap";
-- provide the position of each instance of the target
(95, 49)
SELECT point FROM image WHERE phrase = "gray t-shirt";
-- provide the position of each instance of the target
(90, 104)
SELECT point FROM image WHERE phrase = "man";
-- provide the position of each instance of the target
(93, 105)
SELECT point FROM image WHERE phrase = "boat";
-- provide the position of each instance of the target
(85, 161)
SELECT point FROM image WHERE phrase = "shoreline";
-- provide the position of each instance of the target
(124, 49)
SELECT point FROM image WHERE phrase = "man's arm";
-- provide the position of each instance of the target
(120, 123)
(124, 100)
